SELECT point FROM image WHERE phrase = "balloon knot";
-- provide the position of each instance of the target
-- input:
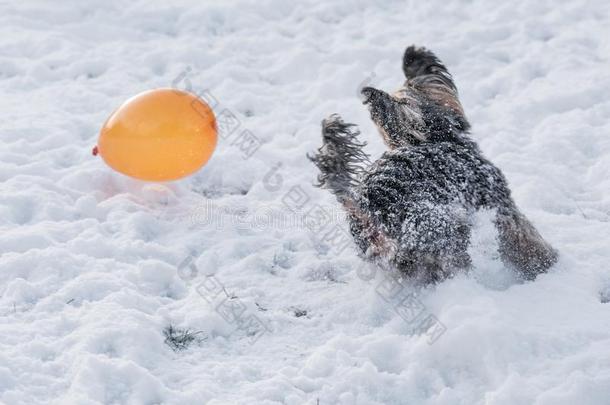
(95, 151)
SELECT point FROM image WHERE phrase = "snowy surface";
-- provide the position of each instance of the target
(90, 265)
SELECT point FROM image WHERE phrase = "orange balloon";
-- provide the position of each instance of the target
(159, 135)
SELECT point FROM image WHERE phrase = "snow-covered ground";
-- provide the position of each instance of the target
(94, 266)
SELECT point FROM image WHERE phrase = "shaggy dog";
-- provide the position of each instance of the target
(412, 208)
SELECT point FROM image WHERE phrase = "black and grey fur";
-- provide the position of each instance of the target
(412, 207)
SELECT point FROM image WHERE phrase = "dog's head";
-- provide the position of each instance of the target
(409, 117)
(425, 109)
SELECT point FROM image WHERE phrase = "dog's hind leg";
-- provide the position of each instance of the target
(434, 242)
(521, 245)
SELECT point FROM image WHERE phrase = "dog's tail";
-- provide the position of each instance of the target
(522, 246)
(340, 158)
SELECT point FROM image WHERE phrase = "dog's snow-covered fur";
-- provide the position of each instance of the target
(412, 207)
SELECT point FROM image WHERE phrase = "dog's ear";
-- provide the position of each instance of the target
(418, 61)
(427, 74)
